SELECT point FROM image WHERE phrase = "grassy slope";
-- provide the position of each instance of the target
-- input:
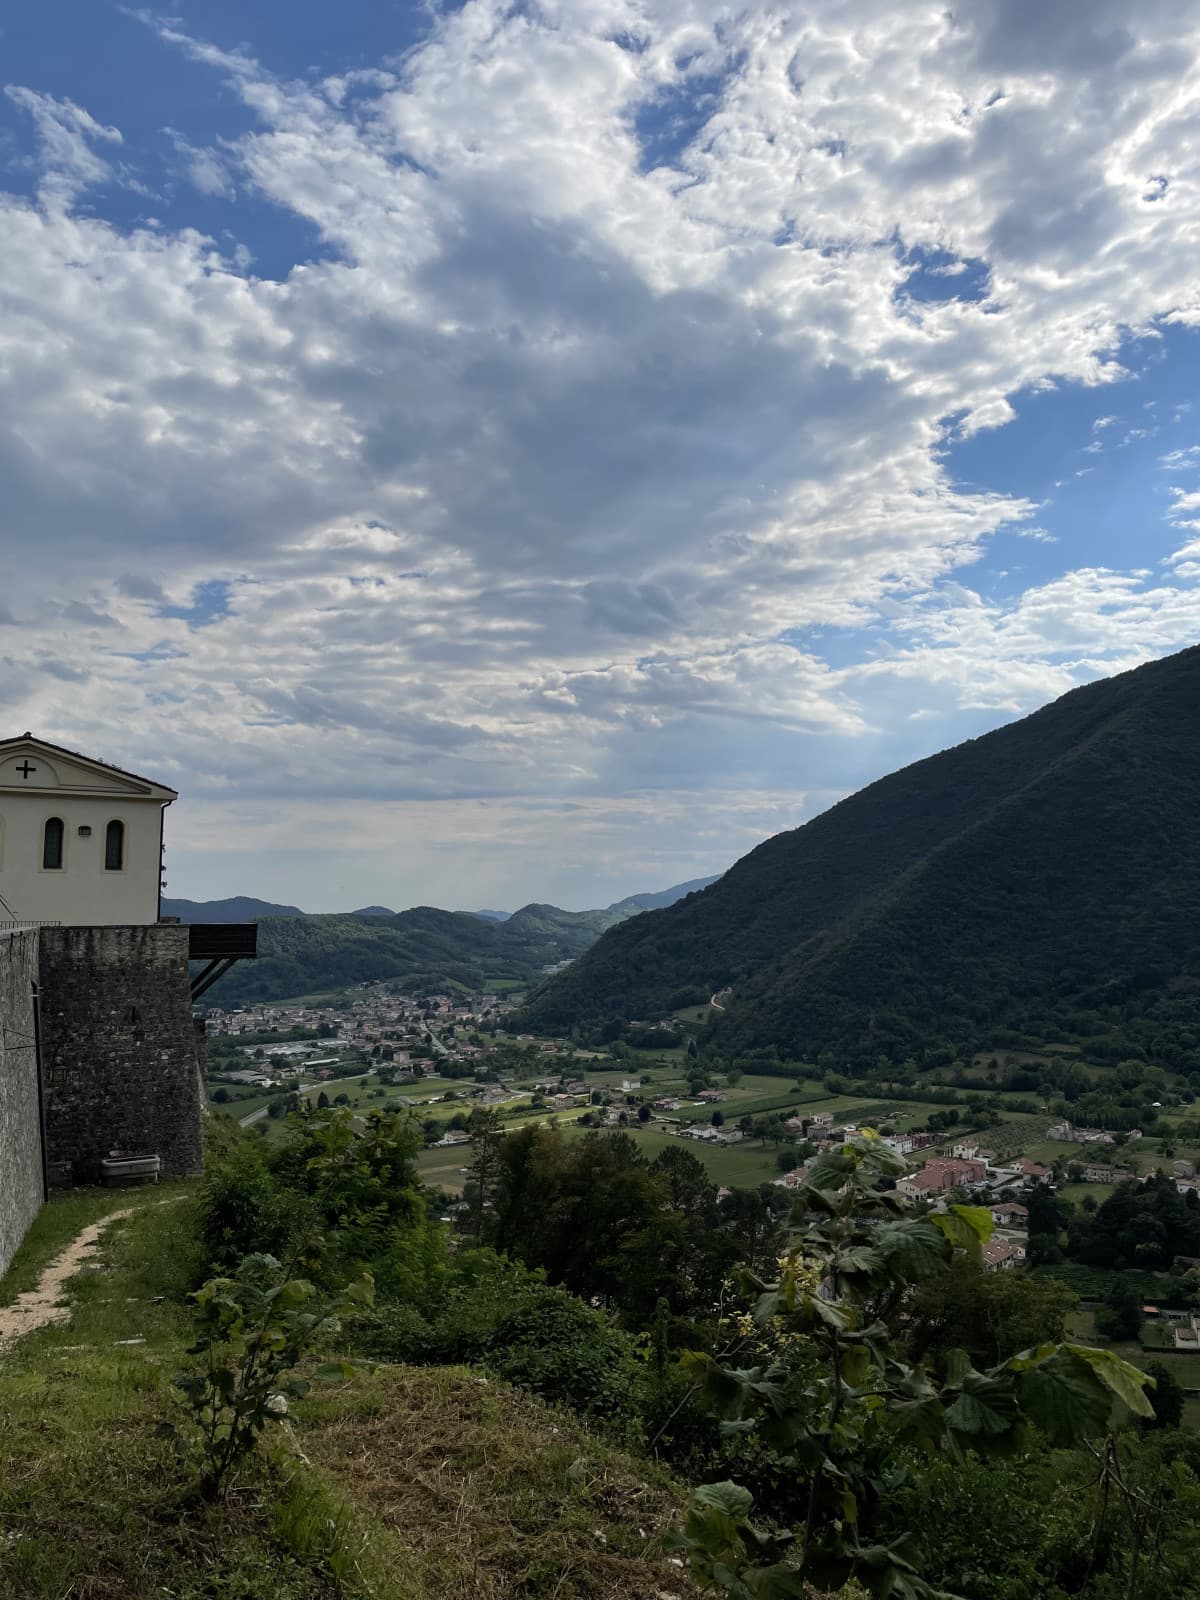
(419, 1485)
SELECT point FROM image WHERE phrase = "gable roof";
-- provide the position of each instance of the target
(130, 784)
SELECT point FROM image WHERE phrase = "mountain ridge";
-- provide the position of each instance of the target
(424, 948)
(899, 915)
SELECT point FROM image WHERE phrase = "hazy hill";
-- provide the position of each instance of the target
(1045, 876)
(241, 908)
(423, 948)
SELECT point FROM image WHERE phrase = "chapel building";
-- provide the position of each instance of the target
(80, 841)
(102, 1060)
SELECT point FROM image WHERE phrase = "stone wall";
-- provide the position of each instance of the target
(21, 1187)
(119, 1049)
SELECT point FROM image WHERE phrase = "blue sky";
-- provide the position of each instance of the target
(500, 451)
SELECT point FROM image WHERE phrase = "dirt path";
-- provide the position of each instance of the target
(37, 1308)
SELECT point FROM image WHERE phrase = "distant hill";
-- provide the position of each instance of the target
(241, 908)
(1041, 880)
(424, 949)
(493, 916)
(665, 897)
(373, 911)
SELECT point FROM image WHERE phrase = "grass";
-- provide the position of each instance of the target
(53, 1229)
(1079, 1191)
(1048, 1151)
(429, 1484)
(488, 1494)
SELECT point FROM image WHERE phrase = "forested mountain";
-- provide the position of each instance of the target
(1044, 878)
(424, 948)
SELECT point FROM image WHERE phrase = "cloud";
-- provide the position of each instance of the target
(66, 136)
(203, 166)
(596, 445)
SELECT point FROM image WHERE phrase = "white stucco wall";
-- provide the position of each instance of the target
(83, 893)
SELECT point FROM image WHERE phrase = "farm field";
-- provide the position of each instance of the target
(1077, 1192)
(742, 1165)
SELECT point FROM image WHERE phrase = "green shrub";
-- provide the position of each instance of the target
(506, 1318)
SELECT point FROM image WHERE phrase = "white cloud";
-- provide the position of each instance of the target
(558, 469)
(66, 137)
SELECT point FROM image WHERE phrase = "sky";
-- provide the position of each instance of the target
(493, 452)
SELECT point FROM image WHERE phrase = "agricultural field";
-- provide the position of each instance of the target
(1078, 1192)
(743, 1165)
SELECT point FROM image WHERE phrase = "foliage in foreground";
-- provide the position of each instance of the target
(251, 1332)
(827, 1390)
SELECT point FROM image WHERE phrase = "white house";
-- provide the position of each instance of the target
(80, 841)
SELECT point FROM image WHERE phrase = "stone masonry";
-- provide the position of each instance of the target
(121, 1062)
(20, 1130)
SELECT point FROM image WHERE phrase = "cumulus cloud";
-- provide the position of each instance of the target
(601, 407)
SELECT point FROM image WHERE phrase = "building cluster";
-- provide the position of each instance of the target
(374, 1025)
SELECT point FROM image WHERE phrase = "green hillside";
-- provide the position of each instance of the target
(424, 948)
(1042, 879)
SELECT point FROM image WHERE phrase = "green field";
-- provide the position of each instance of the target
(741, 1165)
(1100, 1192)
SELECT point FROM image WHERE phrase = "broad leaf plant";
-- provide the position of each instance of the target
(832, 1396)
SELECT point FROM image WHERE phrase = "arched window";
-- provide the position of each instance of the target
(53, 835)
(114, 847)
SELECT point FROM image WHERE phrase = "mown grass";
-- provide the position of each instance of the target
(484, 1493)
(404, 1484)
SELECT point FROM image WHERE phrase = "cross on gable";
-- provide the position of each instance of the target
(25, 769)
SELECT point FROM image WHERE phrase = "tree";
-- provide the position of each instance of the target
(1120, 1317)
(1167, 1399)
(322, 1101)
(483, 1170)
(717, 1119)
(221, 1096)
(644, 1113)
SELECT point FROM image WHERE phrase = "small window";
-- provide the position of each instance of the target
(114, 847)
(52, 844)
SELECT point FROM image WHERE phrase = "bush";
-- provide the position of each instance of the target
(506, 1318)
(337, 1196)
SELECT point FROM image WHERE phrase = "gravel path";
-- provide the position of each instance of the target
(36, 1308)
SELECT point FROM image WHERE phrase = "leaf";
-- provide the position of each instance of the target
(912, 1249)
(776, 1583)
(986, 1409)
(958, 1364)
(978, 1218)
(1063, 1396)
(295, 1292)
(362, 1291)
(1121, 1378)
(731, 1498)
(966, 1227)
(859, 1259)
(335, 1371)
(856, 1365)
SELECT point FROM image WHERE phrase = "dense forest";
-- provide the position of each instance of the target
(1043, 880)
(423, 949)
